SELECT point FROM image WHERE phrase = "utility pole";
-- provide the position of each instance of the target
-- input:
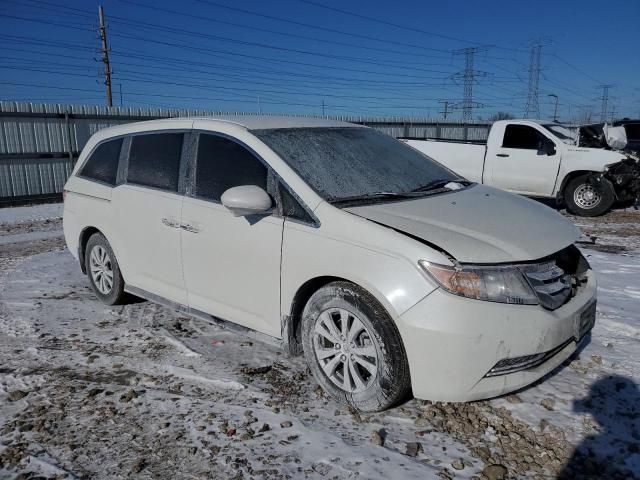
(120, 88)
(532, 108)
(555, 109)
(468, 76)
(604, 100)
(445, 108)
(323, 107)
(105, 55)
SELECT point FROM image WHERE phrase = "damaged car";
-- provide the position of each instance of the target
(588, 169)
(390, 273)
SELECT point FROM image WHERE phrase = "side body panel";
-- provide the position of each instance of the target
(86, 204)
(581, 159)
(393, 278)
(232, 265)
(147, 240)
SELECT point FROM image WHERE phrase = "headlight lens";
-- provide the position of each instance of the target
(494, 284)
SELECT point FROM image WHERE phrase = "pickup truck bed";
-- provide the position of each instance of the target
(466, 159)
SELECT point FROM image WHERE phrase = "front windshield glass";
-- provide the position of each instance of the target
(568, 135)
(346, 162)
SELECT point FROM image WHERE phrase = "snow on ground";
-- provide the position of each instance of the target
(89, 391)
(31, 213)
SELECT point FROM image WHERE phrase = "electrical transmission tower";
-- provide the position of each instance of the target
(604, 100)
(468, 76)
(445, 108)
(532, 108)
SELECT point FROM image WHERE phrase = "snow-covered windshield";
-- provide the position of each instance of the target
(568, 135)
(348, 162)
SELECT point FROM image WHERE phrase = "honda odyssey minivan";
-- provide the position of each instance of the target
(389, 272)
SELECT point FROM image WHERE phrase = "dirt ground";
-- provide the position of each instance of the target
(140, 391)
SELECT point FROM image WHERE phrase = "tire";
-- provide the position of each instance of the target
(100, 262)
(588, 199)
(375, 358)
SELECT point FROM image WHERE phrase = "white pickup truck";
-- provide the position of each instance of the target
(547, 160)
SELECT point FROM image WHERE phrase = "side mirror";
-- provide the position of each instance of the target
(550, 148)
(246, 200)
(546, 147)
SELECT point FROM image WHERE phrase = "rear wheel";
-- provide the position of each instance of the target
(103, 271)
(354, 349)
(586, 198)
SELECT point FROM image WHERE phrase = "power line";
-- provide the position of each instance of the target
(384, 22)
(287, 34)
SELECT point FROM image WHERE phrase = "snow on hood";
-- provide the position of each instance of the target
(478, 224)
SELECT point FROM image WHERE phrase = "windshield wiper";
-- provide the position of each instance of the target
(369, 196)
(440, 183)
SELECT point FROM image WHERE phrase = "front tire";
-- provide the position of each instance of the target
(354, 349)
(589, 199)
(103, 271)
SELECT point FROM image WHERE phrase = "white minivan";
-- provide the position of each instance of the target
(388, 271)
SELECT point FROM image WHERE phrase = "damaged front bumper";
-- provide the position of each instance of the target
(625, 178)
(461, 349)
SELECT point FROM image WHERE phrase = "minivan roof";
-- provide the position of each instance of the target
(259, 122)
(250, 122)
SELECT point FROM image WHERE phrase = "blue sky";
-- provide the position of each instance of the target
(357, 57)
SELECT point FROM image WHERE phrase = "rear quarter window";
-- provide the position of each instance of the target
(102, 164)
(154, 160)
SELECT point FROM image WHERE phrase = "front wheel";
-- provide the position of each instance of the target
(586, 198)
(354, 349)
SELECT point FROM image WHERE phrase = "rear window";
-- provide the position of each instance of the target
(154, 160)
(102, 164)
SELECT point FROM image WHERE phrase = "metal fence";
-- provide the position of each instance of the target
(39, 143)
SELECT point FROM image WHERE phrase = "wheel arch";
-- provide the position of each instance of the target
(292, 320)
(570, 176)
(85, 235)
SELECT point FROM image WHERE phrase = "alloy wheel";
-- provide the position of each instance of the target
(101, 269)
(345, 350)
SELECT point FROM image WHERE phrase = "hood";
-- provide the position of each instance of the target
(478, 224)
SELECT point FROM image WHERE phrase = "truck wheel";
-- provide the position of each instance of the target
(103, 271)
(354, 349)
(589, 199)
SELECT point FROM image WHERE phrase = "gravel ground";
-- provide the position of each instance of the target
(140, 391)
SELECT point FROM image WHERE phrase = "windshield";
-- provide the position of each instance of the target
(347, 162)
(568, 135)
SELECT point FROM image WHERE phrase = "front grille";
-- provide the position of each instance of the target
(526, 362)
(558, 277)
(550, 282)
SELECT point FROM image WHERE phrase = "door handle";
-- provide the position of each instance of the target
(170, 223)
(189, 228)
(502, 154)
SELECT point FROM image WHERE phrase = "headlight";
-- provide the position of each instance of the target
(494, 284)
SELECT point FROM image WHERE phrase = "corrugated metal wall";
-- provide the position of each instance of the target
(39, 143)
